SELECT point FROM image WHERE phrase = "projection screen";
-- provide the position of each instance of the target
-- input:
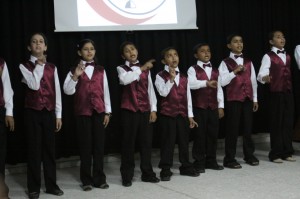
(124, 15)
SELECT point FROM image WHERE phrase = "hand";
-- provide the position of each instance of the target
(239, 68)
(153, 117)
(255, 106)
(221, 113)
(172, 73)
(192, 123)
(106, 120)
(267, 79)
(78, 71)
(212, 84)
(10, 123)
(148, 65)
(58, 124)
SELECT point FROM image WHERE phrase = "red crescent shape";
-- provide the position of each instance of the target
(102, 9)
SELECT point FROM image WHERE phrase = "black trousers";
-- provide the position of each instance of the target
(172, 127)
(281, 125)
(91, 140)
(206, 137)
(3, 141)
(136, 128)
(238, 113)
(40, 126)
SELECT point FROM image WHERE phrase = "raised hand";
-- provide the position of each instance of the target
(78, 70)
(148, 65)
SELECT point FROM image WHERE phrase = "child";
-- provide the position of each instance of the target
(237, 74)
(176, 115)
(92, 108)
(275, 71)
(208, 105)
(42, 116)
(138, 113)
(6, 112)
(297, 55)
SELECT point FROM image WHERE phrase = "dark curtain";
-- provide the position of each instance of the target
(215, 20)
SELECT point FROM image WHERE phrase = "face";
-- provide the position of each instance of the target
(236, 45)
(37, 45)
(278, 40)
(171, 58)
(87, 52)
(130, 53)
(203, 54)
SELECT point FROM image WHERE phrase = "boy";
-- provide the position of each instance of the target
(275, 71)
(237, 74)
(138, 113)
(176, 115)
(208, 105)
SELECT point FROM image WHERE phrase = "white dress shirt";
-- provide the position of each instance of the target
(70, 86)
(196, 84)
(8, 93)
(127, 77)
(33, 79)
(297, 55)
(266, 64)
(164, 88)
(226, 76)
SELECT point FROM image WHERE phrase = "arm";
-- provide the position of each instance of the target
(32, 79)
(194, 83)
(128, 77)
(297, 55)
(264, 71)
(163, 87)
(69, 85)
(152, 99)
(107, 102)
(254, 83)
(58, 105)
(225, 75)
(8, 98)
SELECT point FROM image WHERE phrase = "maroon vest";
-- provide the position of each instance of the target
(45, 97)
(89, 94)
(205, 97)
(281, 74)
(240, 87)
(135, 95)
(2, 103)
(175, 103)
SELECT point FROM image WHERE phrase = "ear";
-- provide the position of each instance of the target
(123, 57)
(163, 61)
(195, 55)
(29, 48)
(229, 46)
(79, 53)
(271, 42)
(45, 48)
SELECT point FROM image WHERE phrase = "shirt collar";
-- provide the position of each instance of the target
(200, 63)
(274, 49)
(232, 55)
(127, 63)
(167, 68)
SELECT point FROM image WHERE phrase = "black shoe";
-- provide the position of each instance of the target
(232, 165)
(189, 172)
(56, 192)
(152, 179)
(102, 186)
(126, 183)
(214, 167)
(33, 195)
(199, 169)
(253, 161)
(86, 187)
(165, 175)
(165, 178)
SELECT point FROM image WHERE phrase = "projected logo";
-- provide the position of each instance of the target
(131, 12)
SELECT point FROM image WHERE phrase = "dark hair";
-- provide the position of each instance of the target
(197, 46)
(38, 33)
(272, 33)
(80, 46)
(164, 51)
(124, 44)
(231, 36)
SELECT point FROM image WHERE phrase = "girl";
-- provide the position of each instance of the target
(92, 109)
(42, 116)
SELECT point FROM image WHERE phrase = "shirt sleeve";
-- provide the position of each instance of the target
(107, 102)
(225, 75)
(7, 91)
(220, 95)
(297, 55)
(126, 77)
(152, 95)
(194, 83)
(254, 83)
(32, 79)
(264, 68)
(69, 85)
(163, 87)
(58, 105)
(189, 99)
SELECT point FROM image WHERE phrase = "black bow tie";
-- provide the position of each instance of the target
(90, 64)
(280, 51)
(136, 64)
(237, 56)
(206, 65)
